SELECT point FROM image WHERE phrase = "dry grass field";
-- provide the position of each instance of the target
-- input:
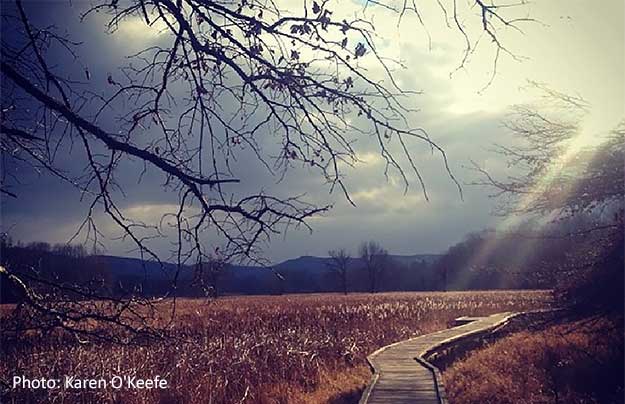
(280, 349)
(577, 362)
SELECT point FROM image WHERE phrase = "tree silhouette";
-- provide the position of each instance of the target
(339, 262)
(208, 273)
(226, 76)
(560, 181)
(376, 261)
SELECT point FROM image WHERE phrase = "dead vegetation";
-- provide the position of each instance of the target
(298, 348)
(573, 362)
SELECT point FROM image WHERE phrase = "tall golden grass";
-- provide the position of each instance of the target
(281, 349)
(577, 362)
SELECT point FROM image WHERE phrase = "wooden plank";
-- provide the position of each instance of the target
(402, 376)
(404, 394)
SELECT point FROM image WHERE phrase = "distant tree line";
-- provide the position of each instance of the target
(523, 258)
(93, 275)
(44, 264)
(527, 256)
(68, 271)
(374, 270)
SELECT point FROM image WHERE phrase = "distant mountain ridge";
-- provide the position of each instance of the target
(137, 266)
(298, 275)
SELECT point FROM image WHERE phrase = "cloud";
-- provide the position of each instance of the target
(464, 121)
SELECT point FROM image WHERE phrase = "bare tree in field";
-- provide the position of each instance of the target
(376, 261)
(339, 263)
(225, 79)
(209, 272)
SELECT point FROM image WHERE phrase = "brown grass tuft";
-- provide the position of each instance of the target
(579, 362)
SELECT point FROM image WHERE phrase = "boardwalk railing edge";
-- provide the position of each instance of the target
(426, 354)
(375, 371)
(421, 358)
(438, 378)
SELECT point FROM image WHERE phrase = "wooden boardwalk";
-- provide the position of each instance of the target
(401, 375)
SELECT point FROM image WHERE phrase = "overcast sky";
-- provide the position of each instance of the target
(577, 47)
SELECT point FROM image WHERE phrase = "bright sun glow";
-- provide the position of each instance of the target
(135, 32)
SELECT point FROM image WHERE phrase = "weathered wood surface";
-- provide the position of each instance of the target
(401, 375)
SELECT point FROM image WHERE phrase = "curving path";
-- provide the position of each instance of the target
(401, 375)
